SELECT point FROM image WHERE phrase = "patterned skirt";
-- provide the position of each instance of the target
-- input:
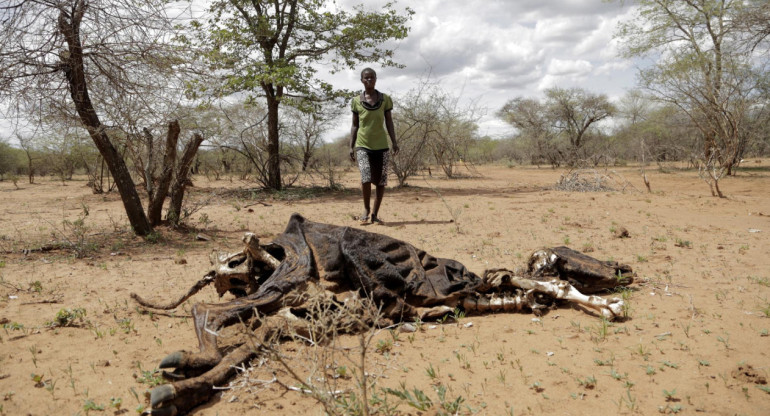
(373, 165)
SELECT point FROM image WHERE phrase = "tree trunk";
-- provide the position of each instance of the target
(155, 207)
(30, 168)
(183, 170)
(273, 156)
(72, 63)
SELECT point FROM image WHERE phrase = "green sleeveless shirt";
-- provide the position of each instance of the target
(371, 122)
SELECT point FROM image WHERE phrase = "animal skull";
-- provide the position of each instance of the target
(235, 272)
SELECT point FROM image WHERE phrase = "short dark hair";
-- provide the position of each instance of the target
(367, 69)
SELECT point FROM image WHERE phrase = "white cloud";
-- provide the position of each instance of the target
(561, 67)
(494, 50)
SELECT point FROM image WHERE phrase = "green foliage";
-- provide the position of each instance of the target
(706, 67)
(90, 405)
(68, 317)
(151, 378)
(268, 48)
(274, 48)
(416, 398)
(10, 160)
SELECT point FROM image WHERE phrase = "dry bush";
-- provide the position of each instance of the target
(591, 180)
(314, 355)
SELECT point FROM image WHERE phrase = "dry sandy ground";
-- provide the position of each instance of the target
(696, 339)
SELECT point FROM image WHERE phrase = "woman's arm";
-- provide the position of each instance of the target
(353, 136)
(391, 130)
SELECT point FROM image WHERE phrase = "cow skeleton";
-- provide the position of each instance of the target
(341, 262)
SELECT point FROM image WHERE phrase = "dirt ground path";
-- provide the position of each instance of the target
(696, 340)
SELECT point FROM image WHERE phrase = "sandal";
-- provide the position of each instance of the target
(364, 219)
(377, 221)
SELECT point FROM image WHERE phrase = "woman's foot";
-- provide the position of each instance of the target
(364, 218)
(377, 221)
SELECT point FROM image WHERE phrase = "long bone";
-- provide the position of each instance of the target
(557, 289)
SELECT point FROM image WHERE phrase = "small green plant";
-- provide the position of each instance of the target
(501, 376)
(614, 374)
(725, 341)
(765, 309)
(463, 361)
(383, 346)
(37, 379)
(431, 372)
(341, 372)
(151, 378)
(116, 402)
(629, 401)
(537, 386)
(153, 237)
(588, 383)
(703, 363)
(36, 286)
(683, 243)
(458, 314)
(763, 281)
(602, 329)
(68, 317)
(50, 386)
(670, 395)
(450, 407)
(126, 325)
(90, 405)
(608, 363)
(416, 398)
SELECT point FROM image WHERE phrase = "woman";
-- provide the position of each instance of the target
(372, 124)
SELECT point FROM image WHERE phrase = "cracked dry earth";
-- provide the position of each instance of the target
(695, 341)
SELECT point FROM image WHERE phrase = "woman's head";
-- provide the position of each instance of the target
(369, 71)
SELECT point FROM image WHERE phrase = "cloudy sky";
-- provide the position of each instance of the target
(494, 50)
(490, 51)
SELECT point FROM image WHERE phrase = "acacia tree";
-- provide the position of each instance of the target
(566, 114)
(82, 59)
(273, 49)
(531, 118)
(706, 64)
(573, 111)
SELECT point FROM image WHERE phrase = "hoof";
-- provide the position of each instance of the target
(161, 395)
(173, 360)
(173, 376)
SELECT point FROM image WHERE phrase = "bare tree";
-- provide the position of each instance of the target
(305, 124)
(243, 129)
(416, 123)
(84, 59)
(706, 64)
